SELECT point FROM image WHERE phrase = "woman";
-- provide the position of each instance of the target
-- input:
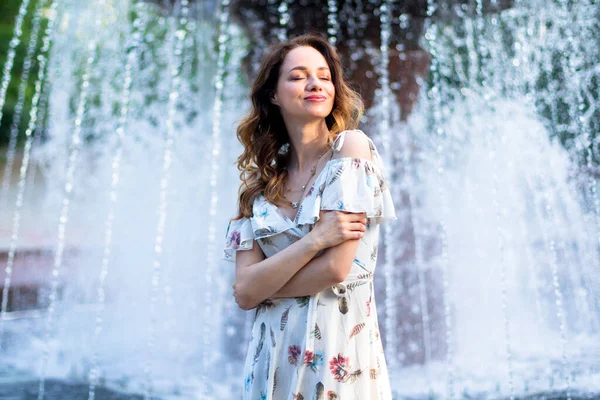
(312, 196)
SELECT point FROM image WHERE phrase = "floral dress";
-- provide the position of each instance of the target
(326, 346)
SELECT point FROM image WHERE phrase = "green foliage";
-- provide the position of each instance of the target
(8, 12)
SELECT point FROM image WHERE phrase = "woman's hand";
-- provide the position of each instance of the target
(335, 227)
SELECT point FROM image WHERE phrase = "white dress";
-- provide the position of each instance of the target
(325, 346)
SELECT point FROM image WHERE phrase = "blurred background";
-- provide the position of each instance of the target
(117, 151)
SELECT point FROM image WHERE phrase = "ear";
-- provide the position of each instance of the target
(273, 98)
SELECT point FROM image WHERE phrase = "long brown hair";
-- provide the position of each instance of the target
(262, 132)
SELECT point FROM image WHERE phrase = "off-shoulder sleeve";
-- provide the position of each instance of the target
(357, 185)
(353, 185)
(239, 236)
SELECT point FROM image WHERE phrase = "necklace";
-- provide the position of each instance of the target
(313, 170)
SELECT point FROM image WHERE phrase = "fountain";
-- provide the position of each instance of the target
(113, 210)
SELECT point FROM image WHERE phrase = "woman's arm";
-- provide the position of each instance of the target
(322, 272)
(257, 278)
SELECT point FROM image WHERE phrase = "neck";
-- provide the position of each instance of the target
(308, 141)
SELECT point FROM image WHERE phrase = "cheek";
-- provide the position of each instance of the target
(331, 90)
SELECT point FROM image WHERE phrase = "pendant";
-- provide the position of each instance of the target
(294, 204)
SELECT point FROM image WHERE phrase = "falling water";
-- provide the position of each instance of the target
(501, 223)
(18, 111)
(284, 20)
(68, 188)
(388, 269)
(33, 115)
(436, 94)
(217, 115)
(10, 60)
(135, 41)
(174, 67)
(332, 22)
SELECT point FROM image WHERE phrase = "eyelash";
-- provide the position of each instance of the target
(298, 78)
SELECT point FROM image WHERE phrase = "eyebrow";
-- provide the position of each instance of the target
(304, 68)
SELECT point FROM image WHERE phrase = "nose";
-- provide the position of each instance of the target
(314, 84)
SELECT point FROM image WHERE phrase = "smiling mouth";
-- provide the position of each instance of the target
(315, 98)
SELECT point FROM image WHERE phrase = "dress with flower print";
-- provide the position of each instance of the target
(325, 346)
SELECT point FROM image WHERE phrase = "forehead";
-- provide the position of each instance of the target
(304, 56)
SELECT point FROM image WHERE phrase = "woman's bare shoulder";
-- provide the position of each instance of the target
(354, 144)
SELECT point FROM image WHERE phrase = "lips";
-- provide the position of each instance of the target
(315, 98)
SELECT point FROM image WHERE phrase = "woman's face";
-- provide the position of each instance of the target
(304, 89)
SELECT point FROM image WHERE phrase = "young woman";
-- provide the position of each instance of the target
(312, 196)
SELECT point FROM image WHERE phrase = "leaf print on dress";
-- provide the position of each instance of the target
(374, 252)
(267, 241)
(261, 341)
(320, 391)
(338, 172)
(361, 264)
(340, 368)
(268, 231)
(262, 307)
(302, 301)
(353, 285)
(268, 368)
(356, 330)
(273, 342)
(316, 332)
(294, 352)
(313, 360)
(364, 276)
(284, 318)
(275, 380)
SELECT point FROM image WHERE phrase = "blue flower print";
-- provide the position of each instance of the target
(249, 380)
(264, 212)
(313, 360)
(340, 205)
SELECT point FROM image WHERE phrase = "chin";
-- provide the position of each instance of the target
(319, 112)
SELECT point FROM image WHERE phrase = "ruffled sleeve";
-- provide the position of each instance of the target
(239, 236)
(353, 185)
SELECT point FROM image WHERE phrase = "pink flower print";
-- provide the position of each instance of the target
(311, 190)
(308, 356)
(356, 163)
(339, 367)
(294, 352)
(234, 239)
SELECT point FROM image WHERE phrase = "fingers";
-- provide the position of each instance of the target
(354, 217)
(357, 227)
(344, 215)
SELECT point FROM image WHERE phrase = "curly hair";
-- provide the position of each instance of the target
(262, 132)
